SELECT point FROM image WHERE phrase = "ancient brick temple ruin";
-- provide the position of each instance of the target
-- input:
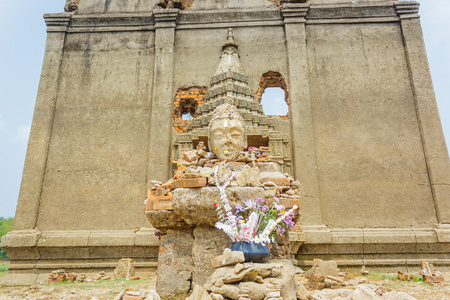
(363, 134)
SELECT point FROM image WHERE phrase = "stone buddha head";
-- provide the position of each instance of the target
(227, 133)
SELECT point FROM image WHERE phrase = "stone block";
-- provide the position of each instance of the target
(443, 233)
(103, 238)
(389, 236)
(347, 236)
(289, 203)
(124, 269)
(196, 206)
(279, 181)
(189, 155)
(163, 203)
(268, 166)
(194, 182)
(64, 238)
(227, 291)
(145, 237)
(20, 238)
(175, 264)
(324, 268)
(199, 293)
(270, 192)
(163, 219)
(317, 234)
(186, 183)
(230, 258)
(209, 242)
(149, 204)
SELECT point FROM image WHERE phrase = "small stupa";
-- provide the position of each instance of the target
(229, 85)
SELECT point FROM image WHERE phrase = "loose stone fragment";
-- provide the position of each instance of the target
(215, 296)
(199, 293)
(124, 269)
(219, 282)
(227, 291)
(231, 258)
(238, 268)
(152, 295)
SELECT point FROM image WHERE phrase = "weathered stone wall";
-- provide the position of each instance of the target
(367, 143)
(98, 147)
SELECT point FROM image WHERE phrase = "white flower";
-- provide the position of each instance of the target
(250, 203)
(278, 207)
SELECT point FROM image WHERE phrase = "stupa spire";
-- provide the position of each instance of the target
(229, 60)
(228, 85)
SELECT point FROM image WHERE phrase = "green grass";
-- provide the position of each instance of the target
(3, 268)
(5, 227)
(379, 276)
(391, 277)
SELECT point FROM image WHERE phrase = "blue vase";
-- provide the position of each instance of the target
(253, 252)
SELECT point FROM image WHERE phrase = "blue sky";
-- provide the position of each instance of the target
(22, 41)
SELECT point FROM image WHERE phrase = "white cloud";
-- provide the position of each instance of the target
(22, 134)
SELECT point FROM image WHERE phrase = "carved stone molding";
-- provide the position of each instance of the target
(57, 22)
(407, 9)
(166, 18)
(294, 13)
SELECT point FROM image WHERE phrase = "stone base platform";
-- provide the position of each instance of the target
(379, 250)
(35, 254)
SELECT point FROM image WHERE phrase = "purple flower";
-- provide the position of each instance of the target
(239, 208)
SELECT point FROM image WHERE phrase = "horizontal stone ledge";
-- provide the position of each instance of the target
(80, 238)
(384, 262)
(110, 29)
(234, 24)
(19, 266)
(408, 235)
(93, 265)
(365, 20)
(216, 25)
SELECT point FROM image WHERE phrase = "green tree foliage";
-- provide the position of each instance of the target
(5, 227)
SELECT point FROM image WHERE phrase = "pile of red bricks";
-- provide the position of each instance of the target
(59, 276)
(187, 101)
(431, 275)
(405, 276)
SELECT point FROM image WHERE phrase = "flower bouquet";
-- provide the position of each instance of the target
(255, 221)
(254, 225)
